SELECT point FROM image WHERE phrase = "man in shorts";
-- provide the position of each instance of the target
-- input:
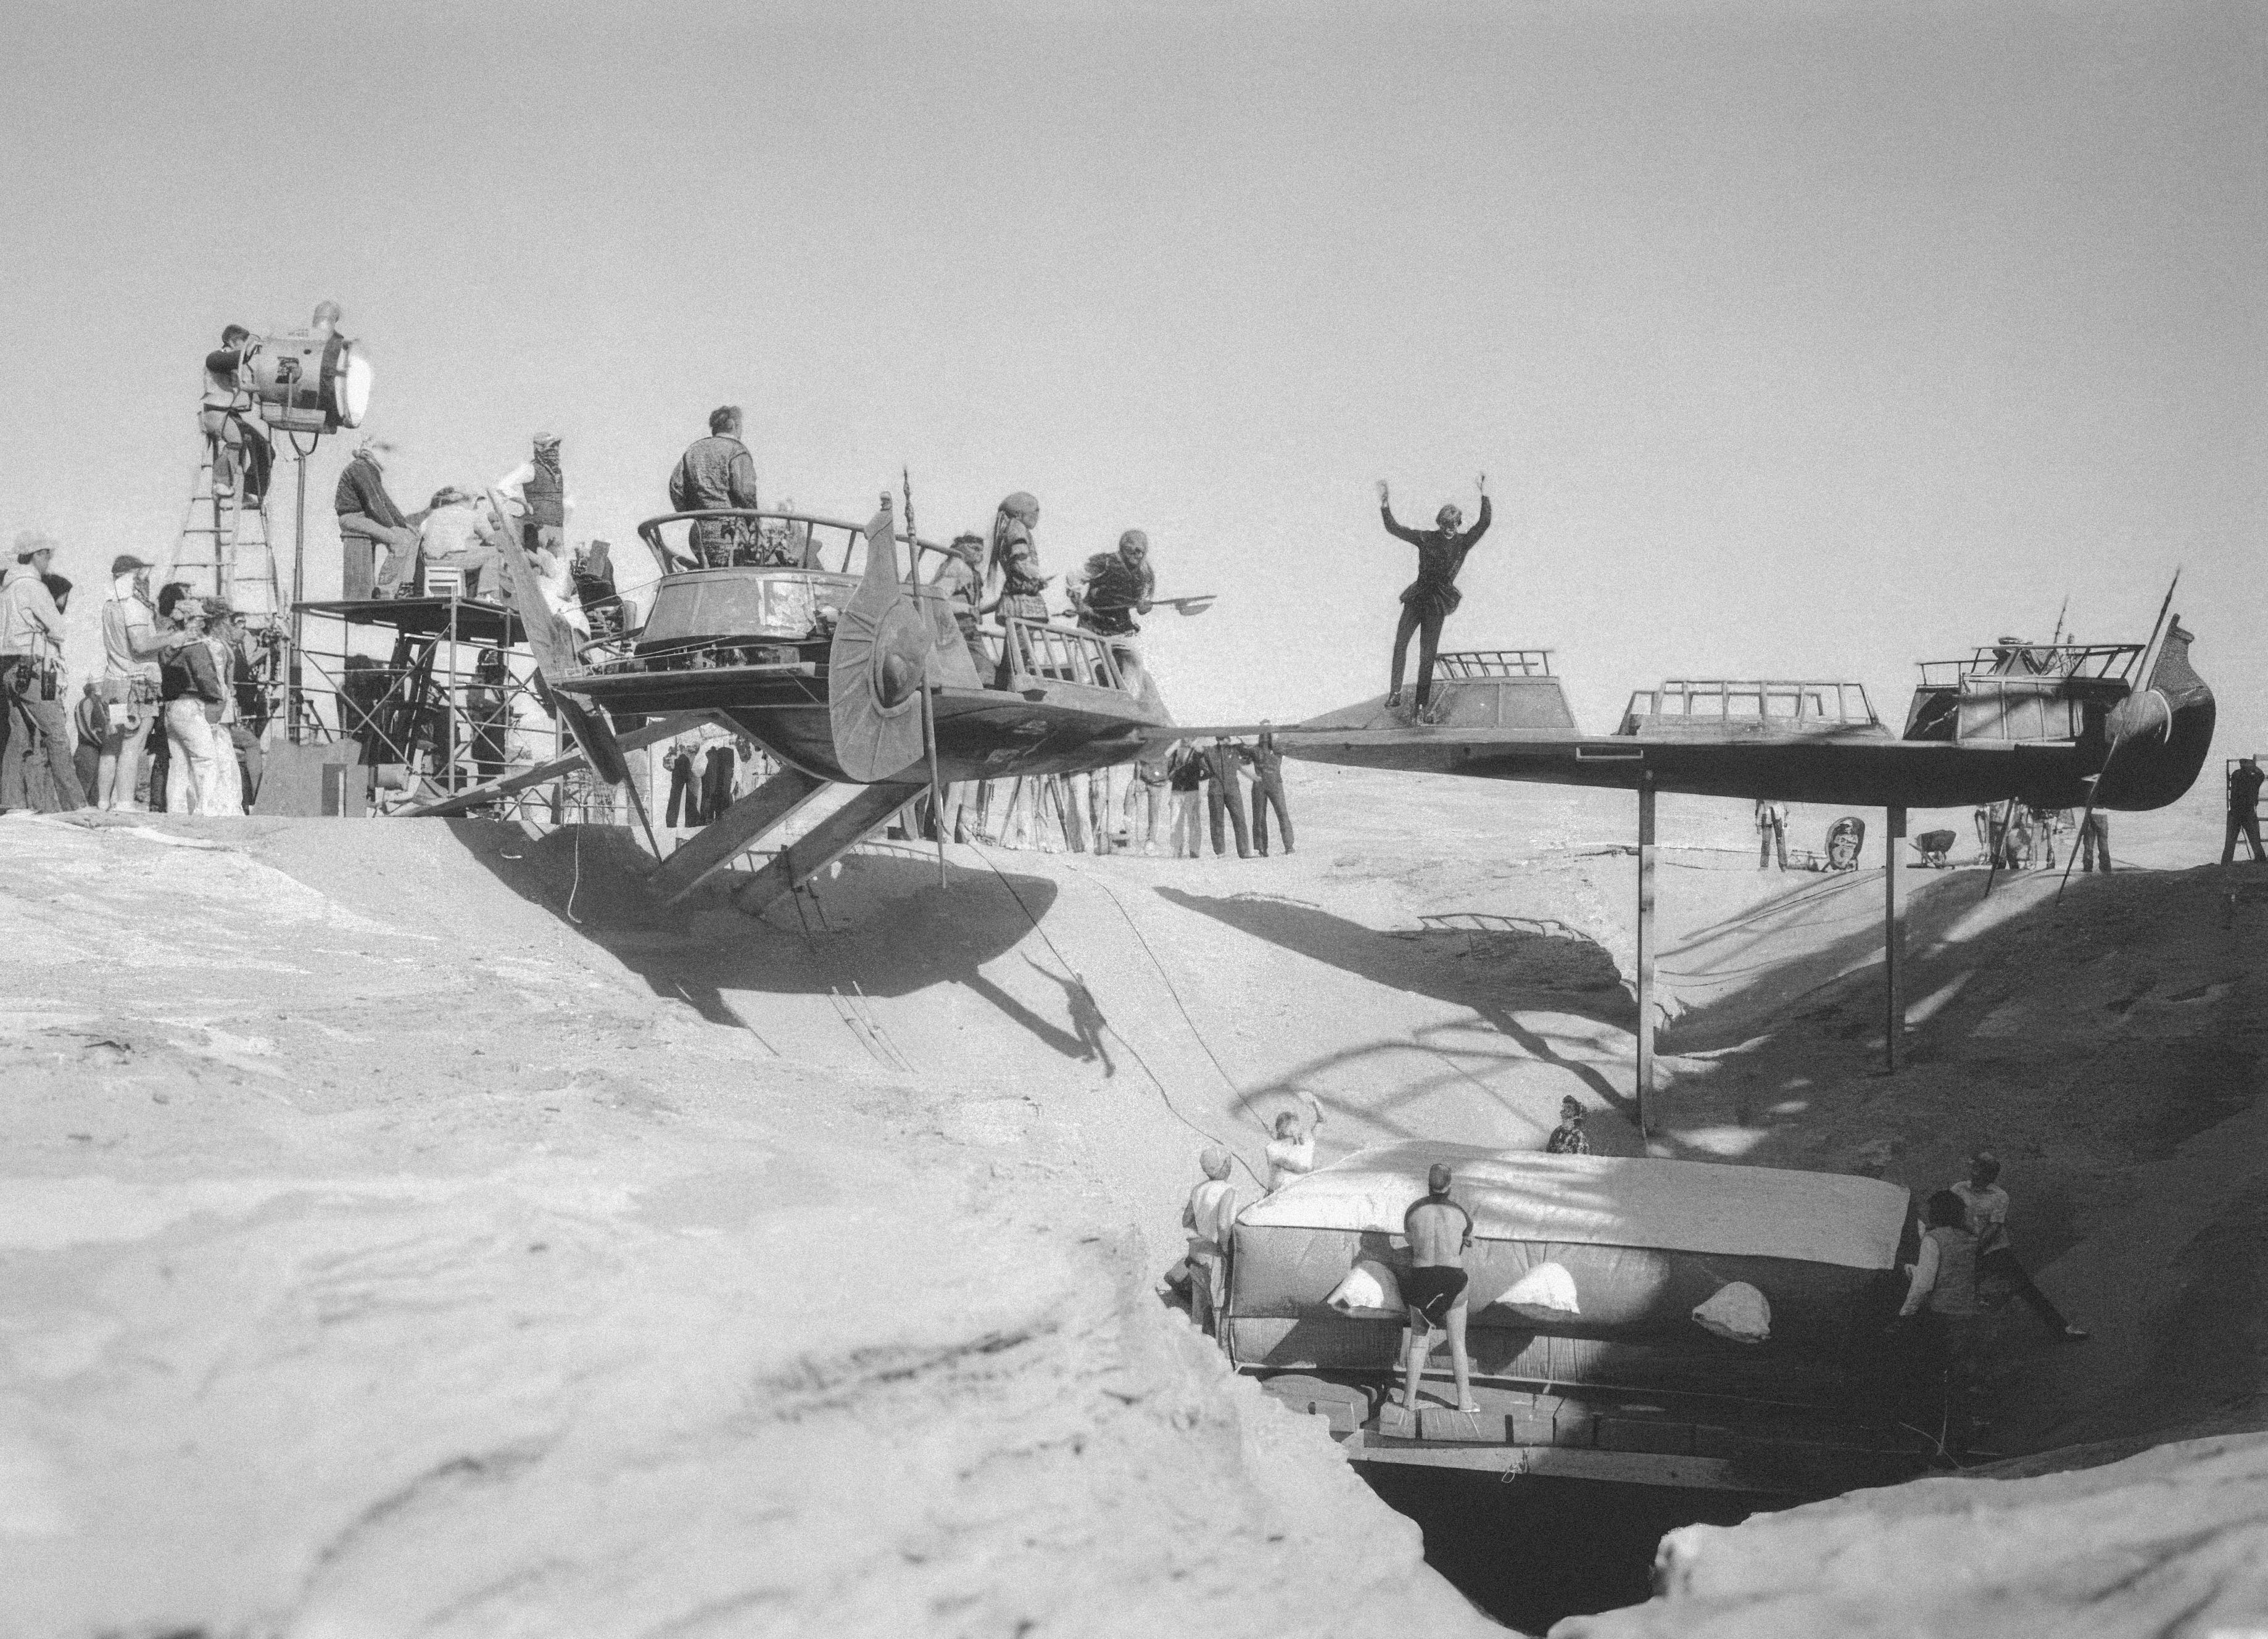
(1440, 1230)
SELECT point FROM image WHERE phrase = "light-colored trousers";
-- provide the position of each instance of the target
(1189, 823)
(192, 774)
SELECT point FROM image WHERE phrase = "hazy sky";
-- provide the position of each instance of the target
(1795, 339)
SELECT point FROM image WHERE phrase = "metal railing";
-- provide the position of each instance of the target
(2109, 662)
(1754, 700)
(1064, 654)
(765, 539)
(1495, 663)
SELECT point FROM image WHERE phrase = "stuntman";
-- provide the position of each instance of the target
(1114, 588)
(1434, 597)
(1440, 1230)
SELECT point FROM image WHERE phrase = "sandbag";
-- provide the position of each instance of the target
(1369, 1291)
(1547, 1292)
(1738, 1311)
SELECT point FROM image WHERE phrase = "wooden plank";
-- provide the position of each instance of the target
(828, 841)
(716, 844)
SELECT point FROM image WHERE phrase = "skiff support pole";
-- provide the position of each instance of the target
(1645, 955)
(1894, 942)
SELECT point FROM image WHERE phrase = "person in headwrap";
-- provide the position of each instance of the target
(1014, 567)
(1211, 1219)
(368, 520)
(1434, 597)
(961, 578)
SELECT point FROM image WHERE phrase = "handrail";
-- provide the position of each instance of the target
(2094, 662)
(675, 563)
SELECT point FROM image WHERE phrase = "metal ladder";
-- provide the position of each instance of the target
(222, 549)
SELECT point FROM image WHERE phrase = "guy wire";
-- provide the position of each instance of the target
(1164, 1097)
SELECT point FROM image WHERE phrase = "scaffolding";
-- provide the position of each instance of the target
(428, 723)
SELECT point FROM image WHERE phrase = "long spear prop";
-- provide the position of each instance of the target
(928, 709)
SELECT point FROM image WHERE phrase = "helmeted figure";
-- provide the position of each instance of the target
(1116, 586)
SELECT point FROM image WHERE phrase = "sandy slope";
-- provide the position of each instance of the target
(390, 1261)
(406, 1225)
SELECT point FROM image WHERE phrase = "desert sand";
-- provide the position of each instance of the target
(406, 1228)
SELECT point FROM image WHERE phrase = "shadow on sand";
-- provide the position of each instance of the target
(884, 929)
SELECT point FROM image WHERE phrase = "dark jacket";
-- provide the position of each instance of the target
(363, 490)
(1220, 763)
(188, 673)
(1440, 555)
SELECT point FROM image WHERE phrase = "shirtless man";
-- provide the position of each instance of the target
(1438, 1230)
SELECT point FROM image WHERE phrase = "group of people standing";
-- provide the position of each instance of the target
(1201, 786)
(179, 680)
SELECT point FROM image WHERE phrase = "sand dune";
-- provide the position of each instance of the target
(408, 1227)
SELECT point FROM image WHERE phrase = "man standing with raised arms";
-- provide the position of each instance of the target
(1438, 1230)
(1434, 597)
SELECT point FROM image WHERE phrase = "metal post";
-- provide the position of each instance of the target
(1645, 955)
(295, 717)
(449, 712)
(1894, 942)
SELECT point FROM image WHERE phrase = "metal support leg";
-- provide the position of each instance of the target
(869, 809)
(1646, 955)
(1893, 941)
(722, 840)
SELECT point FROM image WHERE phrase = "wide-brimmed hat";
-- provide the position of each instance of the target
(126, 564)
(31, 543)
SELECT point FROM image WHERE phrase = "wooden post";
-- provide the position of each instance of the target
(1645, 955)
(1893, 941)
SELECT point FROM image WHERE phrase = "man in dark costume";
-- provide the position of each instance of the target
(1114, 588)
(1268, 790)
(1434, 597)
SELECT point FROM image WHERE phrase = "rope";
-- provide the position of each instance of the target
(577, 882)
(1171, 990)
(1164, 1097)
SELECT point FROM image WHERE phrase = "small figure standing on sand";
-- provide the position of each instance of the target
(2244, 781)
(1292, 1152)
(1986, 1205)
(1434, 597)
(1440, 1230)
(1211, 1219)
(1568, 1138)
(1772, 832)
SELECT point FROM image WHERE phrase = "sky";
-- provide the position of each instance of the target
(1794, 339)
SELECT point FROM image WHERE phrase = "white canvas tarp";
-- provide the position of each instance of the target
(1607, 1201)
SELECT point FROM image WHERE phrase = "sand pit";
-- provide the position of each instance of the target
(408, 1227)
